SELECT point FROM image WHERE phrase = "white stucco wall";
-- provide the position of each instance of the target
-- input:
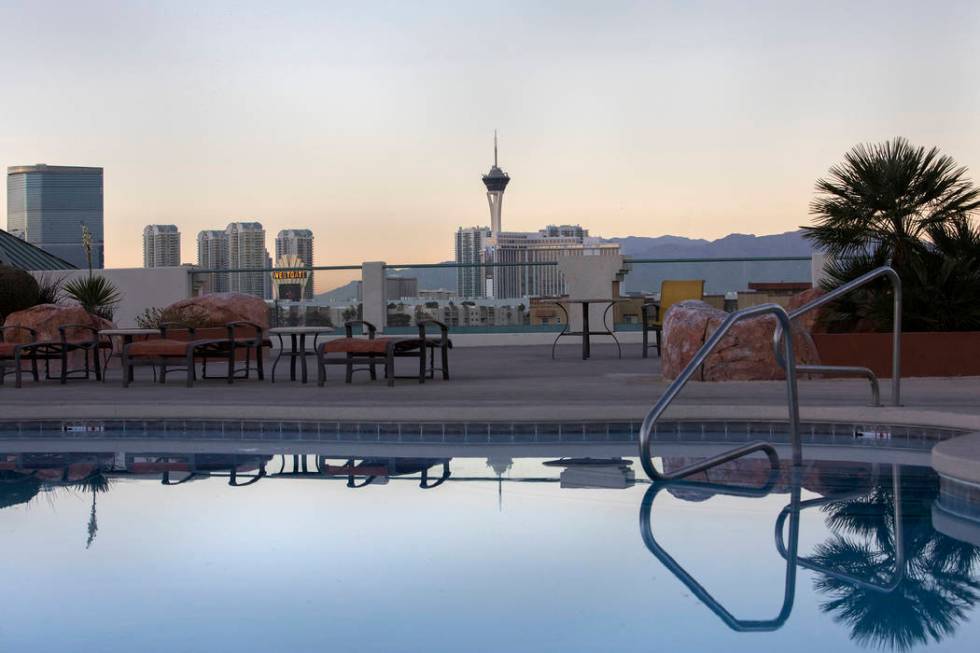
(141, 288)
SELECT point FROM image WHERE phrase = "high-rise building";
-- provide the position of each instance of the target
(470, 243)
(52, 206)
(246, 249)
(496, 181)
(298, 243)
(161, 246)
(212, 254)
(518, 249)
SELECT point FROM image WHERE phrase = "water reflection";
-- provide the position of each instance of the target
(887, 574)
(881, 571)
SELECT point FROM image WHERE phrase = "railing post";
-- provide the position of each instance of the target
(897, 341)
(373, 292)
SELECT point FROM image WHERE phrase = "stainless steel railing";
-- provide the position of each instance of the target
(674, 388)
(836, 293)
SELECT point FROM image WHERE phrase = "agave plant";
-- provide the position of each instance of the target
(95, 293)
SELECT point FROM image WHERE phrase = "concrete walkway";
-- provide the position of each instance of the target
(496, 383)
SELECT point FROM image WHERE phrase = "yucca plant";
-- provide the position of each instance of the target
(95, 294)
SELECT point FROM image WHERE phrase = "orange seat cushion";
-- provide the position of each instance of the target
(357, 346)
(158, 347)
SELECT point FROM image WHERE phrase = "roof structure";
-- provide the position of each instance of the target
(21, 254)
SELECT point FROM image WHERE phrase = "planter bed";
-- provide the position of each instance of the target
(947, 353)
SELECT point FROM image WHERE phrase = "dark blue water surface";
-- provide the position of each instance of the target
(221, 551)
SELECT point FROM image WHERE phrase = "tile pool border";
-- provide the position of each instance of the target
(869, 434)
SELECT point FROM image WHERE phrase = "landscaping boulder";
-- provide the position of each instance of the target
(218, 309)
(744, 354)
(809, 320)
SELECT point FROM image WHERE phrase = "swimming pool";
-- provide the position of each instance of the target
(142, 541)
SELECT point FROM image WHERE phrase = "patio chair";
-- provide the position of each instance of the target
(671, 292)
(185, 345)
(367, 352)
(431, 343)
(72, 338)
(12, 354)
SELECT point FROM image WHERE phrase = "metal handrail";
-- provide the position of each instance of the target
(674, 388)
(883, 271)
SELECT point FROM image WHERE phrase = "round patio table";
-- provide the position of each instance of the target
(586, 333)
(297, 338)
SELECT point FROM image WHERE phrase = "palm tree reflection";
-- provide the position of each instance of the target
(939, 586)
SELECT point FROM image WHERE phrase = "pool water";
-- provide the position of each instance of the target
(122, 551)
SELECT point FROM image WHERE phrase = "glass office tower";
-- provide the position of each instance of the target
(48, 206)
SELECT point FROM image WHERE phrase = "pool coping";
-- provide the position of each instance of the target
(904, 416)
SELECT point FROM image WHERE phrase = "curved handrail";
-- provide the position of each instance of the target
(678, 384)
(883, 271)
(736, 624)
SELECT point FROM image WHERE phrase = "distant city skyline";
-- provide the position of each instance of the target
(369, 124)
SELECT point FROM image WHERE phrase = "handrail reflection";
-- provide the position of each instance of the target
(806, 563)
(789, 588)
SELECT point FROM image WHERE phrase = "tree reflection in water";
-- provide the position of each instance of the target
(940, 583)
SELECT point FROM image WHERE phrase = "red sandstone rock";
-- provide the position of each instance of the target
(46, 318)
(807, 321)
(221, 308)
(684, 331)
(744, 354)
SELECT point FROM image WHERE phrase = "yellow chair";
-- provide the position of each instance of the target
(671, 292)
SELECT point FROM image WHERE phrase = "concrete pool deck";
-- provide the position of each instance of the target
(510, 383)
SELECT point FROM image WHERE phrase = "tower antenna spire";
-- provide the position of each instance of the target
(494, 148)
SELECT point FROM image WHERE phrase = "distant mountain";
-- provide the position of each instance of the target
(719, 277)
(790, 243)
(346, 293)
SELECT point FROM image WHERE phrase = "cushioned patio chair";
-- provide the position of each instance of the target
(12, 352)
(184, 346)
(671, 292)
(367, 352)
(72, 338)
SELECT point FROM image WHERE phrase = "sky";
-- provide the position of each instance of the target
(371, 122)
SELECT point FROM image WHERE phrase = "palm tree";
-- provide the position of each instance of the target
(896, 204)
(887, 197)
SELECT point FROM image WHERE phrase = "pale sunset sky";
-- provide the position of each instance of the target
(371, 123)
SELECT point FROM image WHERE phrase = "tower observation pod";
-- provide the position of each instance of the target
(496, 181)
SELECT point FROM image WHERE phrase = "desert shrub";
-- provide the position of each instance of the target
(18, 290)
(193, 316)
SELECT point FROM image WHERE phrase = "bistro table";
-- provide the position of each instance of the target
(297, 337)
(586, 333)
(127, 335)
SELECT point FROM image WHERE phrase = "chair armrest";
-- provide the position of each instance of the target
(12, 327)
(422, 324)
(63, 329)
(645, 310)
(231, 326)
(349, 328)
(176, 325)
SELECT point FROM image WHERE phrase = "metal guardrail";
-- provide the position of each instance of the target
(836, 293)
(672, 391)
